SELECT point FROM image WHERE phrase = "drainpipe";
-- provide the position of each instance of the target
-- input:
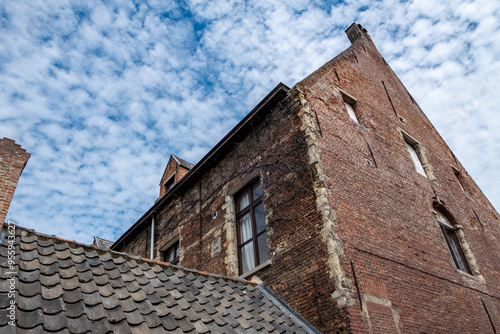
(152, 237)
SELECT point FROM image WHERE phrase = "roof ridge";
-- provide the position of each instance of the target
(183, 162)
(128, 257)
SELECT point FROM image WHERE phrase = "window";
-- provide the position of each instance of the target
(171, 254)
(169, 183)
(453, 243)
(350, 111)
(251, 227)
(411, 146)
(458, 176)
(349, 103)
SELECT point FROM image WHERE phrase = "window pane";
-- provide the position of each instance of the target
(416, 160)
(456, 251)
(350, 111)
(442, 219)
(247, 257)
(243, 201)
(257, 191)
(245, 228)
(263, 252)
(172, 253)
(260, 219)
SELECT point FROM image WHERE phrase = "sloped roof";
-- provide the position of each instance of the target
(102, 243)
(63, 286)
(183, 162)
(230, 140)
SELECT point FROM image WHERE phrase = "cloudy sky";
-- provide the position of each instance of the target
(102, 92)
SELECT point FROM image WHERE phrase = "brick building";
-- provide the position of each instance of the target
(13, 159)
(344, 200)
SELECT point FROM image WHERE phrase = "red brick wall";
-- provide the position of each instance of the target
(382, 211)
(13, 158)
(406, 275)
(172, 167)
(274, 151)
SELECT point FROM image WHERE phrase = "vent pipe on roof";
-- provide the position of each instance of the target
(152, 237)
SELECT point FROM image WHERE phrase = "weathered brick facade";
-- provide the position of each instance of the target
(13, 158)
(353, 237)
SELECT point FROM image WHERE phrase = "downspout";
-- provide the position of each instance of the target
(152, 237)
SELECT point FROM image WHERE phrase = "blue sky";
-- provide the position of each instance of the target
(102, 92)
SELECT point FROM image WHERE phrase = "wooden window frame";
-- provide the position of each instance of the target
(176, 248)
(250, 208)
(169, 183)
(457, 252)
(350, 102)
(416, 157)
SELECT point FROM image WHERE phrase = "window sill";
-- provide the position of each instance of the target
(475, 277)
(256, 269)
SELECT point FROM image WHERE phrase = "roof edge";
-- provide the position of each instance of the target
(73, 244)
(273, 97)
(288, 310)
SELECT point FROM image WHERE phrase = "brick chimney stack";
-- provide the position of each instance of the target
(355, 32)
(13, 159)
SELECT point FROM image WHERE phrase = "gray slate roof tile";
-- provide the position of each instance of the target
(53, 306)
(50, 280)
(66, 287)
(79, 325)
(72, 296)
(75, 310)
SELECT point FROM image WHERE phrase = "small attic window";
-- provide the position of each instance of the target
(349, 103)
(169, 183)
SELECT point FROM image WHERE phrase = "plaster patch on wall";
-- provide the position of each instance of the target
(343, 285)
(215, 247)
(384, 302)
(231, 258)
(468, 253)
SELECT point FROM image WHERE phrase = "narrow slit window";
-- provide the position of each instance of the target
(414, 156)
(349, 103)
(458, 176)
(350, 111)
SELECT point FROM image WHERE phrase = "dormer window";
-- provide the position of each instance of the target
(169, 184)
(176, 169)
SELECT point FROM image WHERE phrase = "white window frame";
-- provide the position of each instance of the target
(414, 156)
(457, 173)
(349, 102)
(417, 156)
(350, 111)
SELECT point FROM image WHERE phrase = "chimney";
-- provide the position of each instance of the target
(13, 158)
(355, 32)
